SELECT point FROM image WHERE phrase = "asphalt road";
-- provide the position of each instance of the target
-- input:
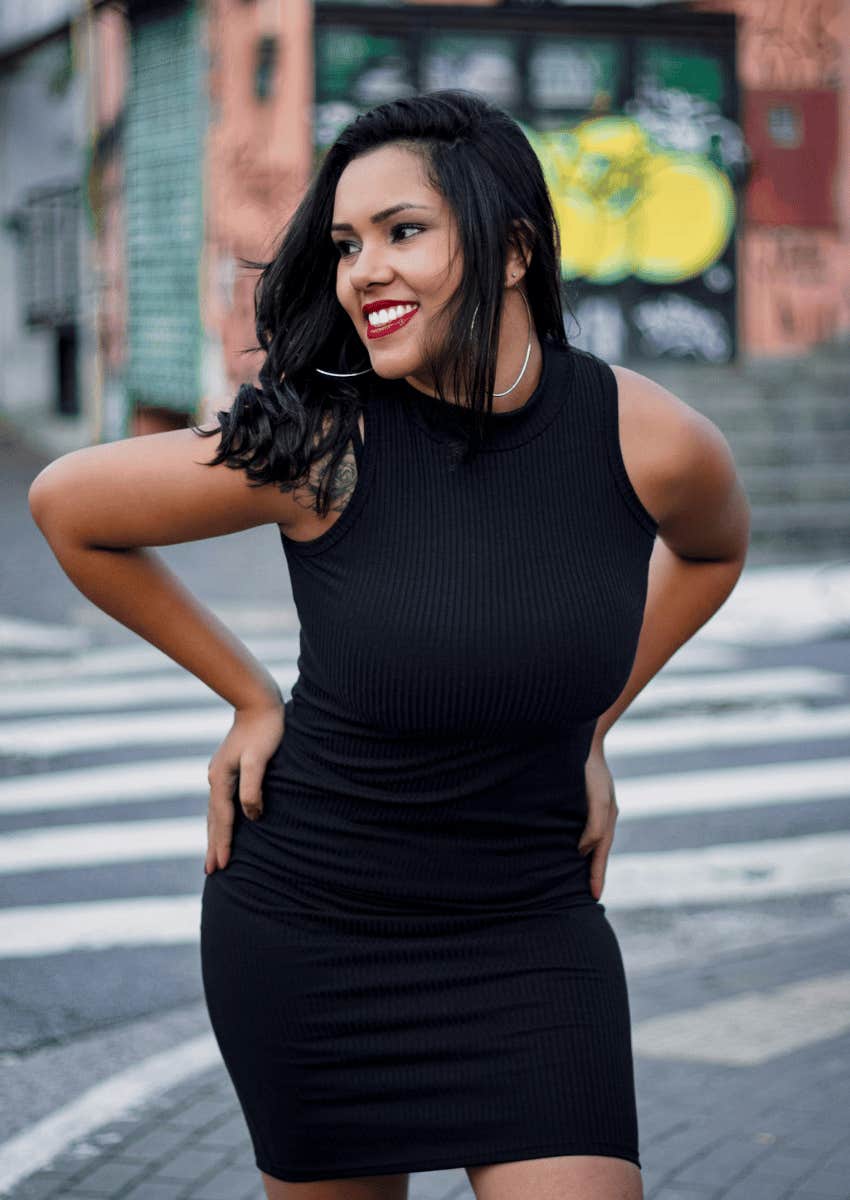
(728, 886)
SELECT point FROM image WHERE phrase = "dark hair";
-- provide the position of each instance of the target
(478, 158)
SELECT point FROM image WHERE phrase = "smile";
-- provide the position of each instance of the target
(387, 320)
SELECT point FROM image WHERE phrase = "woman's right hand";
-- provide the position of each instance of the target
(240, 761)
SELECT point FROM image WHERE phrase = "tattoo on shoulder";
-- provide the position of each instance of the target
(345, 478)
(340, 488)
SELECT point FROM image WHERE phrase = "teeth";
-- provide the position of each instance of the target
(383, 316)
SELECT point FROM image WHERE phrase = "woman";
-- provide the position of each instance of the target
(405, 958)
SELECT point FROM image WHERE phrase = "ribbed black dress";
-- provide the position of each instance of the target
(403, 964)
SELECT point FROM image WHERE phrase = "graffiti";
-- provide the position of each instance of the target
(789, 256)
(672, 324)
(385, 80)
(642, 191)
(795, 42)
(786, 43)
(682, 121)
(603, 328)
(806, 324)
(329, 118)
(574, 73)
(802, 285)
(485, 64)
(626, 205)
(355, 69)
(719, 278)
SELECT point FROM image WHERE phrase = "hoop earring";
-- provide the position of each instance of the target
(342, 374)
(353, 374)
(527, 350)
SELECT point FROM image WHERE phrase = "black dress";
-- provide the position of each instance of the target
(403, 964)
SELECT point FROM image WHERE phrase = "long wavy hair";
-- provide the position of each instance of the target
(478, 158)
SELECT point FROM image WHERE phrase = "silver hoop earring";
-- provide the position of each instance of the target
(527, 350)
(342, 374)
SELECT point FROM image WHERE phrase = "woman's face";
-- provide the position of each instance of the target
(398, 247)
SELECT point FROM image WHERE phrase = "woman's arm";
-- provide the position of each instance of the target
(101, 508)
(682, 468)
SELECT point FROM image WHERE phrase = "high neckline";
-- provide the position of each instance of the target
(502, 430)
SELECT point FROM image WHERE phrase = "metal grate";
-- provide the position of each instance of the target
(49, 255)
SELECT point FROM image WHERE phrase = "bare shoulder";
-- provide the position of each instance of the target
(162, 488)
(302, 522)
(153, 490)
(682, 468)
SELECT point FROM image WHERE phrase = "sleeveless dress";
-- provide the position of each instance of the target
(403, 964)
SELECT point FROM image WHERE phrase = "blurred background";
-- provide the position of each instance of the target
(698, 155)
(697, 152)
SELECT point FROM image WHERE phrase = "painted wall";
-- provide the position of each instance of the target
(250, 168)
(774, 282)
(793, 64)
(258, 160)
(641, 282)
(760, 264)
(638, 133)
(104, 193)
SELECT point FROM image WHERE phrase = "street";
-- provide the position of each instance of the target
(728, 887)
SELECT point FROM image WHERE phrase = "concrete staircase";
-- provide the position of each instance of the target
(788, 425)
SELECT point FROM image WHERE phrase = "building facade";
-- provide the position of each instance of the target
(697, 154)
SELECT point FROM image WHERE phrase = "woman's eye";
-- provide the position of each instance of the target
(397, 227)
(406, 225)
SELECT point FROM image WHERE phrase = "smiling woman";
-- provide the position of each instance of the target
(405, 958)
(469, 226)
(428, 266)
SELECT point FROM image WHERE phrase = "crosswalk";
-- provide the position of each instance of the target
(146, 730)
(732, 774)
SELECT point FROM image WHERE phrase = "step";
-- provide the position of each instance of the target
(790, 446)
(764, 551)
(811, 515)
(797, 483)
(778, 418)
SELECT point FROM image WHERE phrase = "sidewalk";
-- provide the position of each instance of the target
(775, 1131)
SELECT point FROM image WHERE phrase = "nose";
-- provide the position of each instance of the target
(372, 266)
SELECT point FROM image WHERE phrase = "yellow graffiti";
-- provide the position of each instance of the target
(627, 206)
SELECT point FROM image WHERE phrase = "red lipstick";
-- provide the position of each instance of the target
(378, 331)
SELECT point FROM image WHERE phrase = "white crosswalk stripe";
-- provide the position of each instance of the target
(133, 683)
(732, 781)
(766, 740)
(142, 658)
(797, 683)
(766, 727)
(740, 871)
(758, 1025)
(643, 796)
(121, 783)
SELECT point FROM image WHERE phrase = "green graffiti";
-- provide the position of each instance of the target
(628, 206)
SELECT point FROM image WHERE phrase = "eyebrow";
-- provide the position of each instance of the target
(382, 215)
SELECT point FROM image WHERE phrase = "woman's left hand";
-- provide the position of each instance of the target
(602, 812)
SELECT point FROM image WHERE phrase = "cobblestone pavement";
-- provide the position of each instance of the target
(772, 1132)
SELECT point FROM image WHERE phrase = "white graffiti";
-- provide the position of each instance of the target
(602, 328)
(673, 324)
(683, 121)
(719, 278)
